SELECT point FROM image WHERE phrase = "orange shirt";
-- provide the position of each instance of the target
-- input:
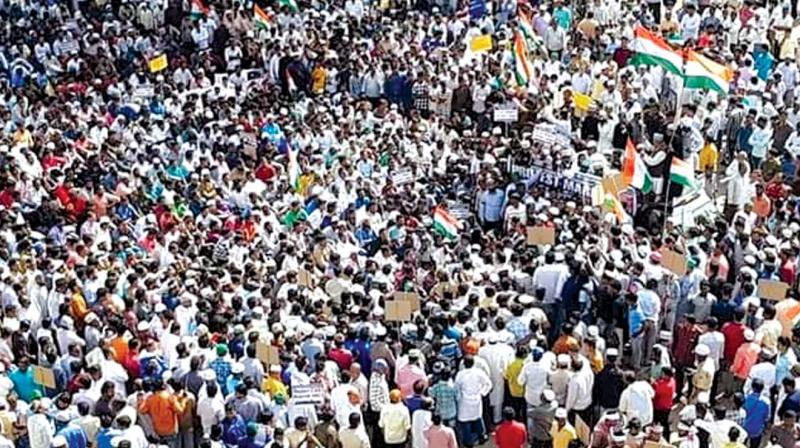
(164, 409)
(77, 307)
(762, 206)
(745, 359)
(120, 346)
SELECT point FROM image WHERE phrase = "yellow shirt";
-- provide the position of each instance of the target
(511, 375)
(562, 437)
(318, 78)
(708, 158)
(274, 387)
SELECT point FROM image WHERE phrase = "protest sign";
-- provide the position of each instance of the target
(312, 393)
(772, 289)
(674, 262)
(582, 429)
(541, 235)
(409, 297)
(402, 176)
(398, 311)
(481, 43)
(44, 376)
(158, 63)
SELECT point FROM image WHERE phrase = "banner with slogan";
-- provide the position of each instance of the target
(577, 184)
(158, 63)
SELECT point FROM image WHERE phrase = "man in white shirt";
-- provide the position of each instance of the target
(534, 377)
(764, 370)
(579, 390)
(714, 339)
(637, 400)
(472, 384)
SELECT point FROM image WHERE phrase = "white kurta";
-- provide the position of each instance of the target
(472, 385)
(498, 356)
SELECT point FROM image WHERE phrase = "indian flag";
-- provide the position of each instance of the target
(651, 49)
(527, 30)
(445, 224)
(261, 18)
(681, 172)
(612, 205)
(522, 67)
(198, 9)
(634, 171)
(291, 4)
(701, 72)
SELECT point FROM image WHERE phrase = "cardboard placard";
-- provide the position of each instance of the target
(541, 235)
(772, 290)
(409, 297)
(481, 43)
(267, 354)
(44, 376)
(304, 278)
(674, 262)
(158, 63)
(398, 311)
(583, 430)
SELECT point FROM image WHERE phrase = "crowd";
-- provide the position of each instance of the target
(430, 224)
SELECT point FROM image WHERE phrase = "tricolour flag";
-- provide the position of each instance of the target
(522, 66)
(445, 224)
(634, 170)
(651, 49)
(526, 27)
(681, 172)
(261, 18)
(701, 72)
(199, 9)
(291, 4)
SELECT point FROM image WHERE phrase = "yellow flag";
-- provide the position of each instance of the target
(581, 101)
(481, 43)
(158, 63)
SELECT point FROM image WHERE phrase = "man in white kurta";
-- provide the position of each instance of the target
(472, 384)
(534, 377)
(498, 355)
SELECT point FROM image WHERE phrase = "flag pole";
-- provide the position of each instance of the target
(676, 122)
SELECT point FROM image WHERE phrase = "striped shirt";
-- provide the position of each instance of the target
(445, 396)
(378, 392)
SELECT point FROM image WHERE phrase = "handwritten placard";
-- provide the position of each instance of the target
(409, 297)
(44, 376)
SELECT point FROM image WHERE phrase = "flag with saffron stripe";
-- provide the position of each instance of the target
(261, 18)
(199, 9)
(522, 66)
(445, 223)
(634, 170)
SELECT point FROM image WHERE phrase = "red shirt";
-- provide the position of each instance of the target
(788, 271)
(664, 388)
(510, 435)
(734, 338)
(342, 357)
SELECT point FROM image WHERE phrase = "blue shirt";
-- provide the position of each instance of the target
(635, 320)
(23, 384)
(491, 206)
(76, 437)
(757, 412)
(233, 429)
(445, 398)
(104, 437)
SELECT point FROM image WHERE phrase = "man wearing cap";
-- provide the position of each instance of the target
(608, 383)
(562, 432)
(498, 356)
(704, 371)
